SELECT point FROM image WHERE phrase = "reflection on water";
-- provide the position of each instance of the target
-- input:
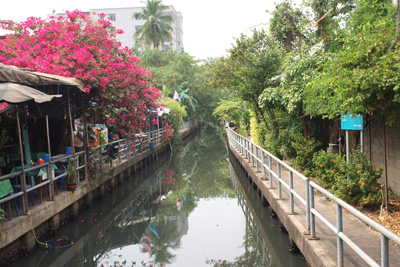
(188, 210)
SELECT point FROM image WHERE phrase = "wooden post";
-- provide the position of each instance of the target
(72, 130)
(49, 172)
(23, 181)
(86, 137)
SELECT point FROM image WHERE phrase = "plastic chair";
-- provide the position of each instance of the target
(59, 172)
(17, 188)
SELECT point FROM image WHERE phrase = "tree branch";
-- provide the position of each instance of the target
(397, 31)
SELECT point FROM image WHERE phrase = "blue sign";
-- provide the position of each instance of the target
(352, 123)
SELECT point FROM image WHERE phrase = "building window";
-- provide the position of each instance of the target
(112, 17)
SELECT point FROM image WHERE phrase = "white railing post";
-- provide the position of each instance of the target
(279, 181)
(252, 155)
(312, 216)
(384, 251)
(270, 171)
(262, 164)
(291, 194)
(257, 164)
(339, 223)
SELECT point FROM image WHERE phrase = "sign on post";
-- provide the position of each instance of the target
(352, 123)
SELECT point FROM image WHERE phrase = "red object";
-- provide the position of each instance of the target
(40, 161)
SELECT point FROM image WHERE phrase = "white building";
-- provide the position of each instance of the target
(122, 18)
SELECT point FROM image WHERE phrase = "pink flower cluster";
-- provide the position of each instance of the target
(3, 105)
(167, 133)
(168, 176)
(81, 47)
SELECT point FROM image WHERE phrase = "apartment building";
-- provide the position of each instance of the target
(122, 18)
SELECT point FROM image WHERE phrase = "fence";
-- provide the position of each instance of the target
(262, 159)
(107, 153)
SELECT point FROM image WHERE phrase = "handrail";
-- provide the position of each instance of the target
(245, 147)
(124, 151)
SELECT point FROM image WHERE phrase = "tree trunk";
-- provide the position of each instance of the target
(306, 128)
(272, 116)
(325, 130)
(261, 112)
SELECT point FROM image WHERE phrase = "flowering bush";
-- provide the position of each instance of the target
(168, 176)
(82, 47)
(167, 133)
(354, 182)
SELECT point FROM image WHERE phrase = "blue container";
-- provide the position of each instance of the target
(151, 145)
(68, 151)
(46, 158)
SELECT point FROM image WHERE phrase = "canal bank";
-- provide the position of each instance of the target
(324, 234)
(17, 237)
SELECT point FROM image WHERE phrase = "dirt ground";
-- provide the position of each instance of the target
(390, 220)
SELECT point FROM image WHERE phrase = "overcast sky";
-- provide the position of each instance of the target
(209, 26)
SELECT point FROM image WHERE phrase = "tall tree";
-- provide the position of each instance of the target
(251, 63)
(285, 24)
(157, 29)
(336, 10)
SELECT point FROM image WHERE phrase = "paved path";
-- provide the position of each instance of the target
(321, 252)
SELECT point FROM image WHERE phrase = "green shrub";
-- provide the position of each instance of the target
(304, 152)
(354, 182)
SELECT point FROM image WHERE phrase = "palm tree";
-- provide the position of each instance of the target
(157, 29)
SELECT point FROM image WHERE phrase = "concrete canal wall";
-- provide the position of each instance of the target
(17, 237)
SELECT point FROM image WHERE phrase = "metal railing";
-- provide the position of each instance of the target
(124, 149)
(257, 156)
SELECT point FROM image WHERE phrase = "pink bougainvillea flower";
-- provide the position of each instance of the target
(86, 48)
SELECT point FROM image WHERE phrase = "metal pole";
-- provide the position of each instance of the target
(308, 208)
(384, 251)
(49, 172)
(312, 216)
(340, 138)
(291, 194)
(385, 162)
(361, 141)
(262, 164)
(252, 155)
(257, 165)
(347, 146)
(245, 148)
(339, 223)
(23, 181)
(270, 171)
(279, 181)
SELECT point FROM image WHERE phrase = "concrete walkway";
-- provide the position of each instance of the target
(323, 251)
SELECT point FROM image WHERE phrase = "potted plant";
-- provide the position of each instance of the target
(71, 182)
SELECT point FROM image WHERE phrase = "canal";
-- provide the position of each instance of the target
(193, 208)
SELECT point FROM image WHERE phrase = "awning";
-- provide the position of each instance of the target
(14, 74)
(16, 93)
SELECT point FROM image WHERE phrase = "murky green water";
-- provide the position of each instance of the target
(208, 215)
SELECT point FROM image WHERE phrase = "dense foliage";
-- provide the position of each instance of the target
(328, 57)
(180, 72)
